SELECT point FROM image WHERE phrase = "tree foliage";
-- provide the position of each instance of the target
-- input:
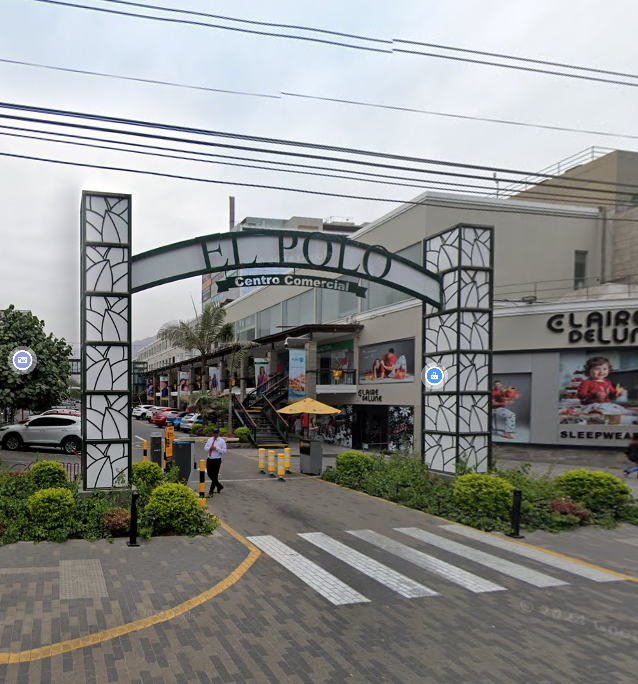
(47, 384)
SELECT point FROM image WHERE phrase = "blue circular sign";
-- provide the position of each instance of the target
(22, 360)
(434, 376)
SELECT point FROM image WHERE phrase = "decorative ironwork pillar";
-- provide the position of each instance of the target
(106, 338)
(456, 418)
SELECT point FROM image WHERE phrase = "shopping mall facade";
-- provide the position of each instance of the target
(562, 297)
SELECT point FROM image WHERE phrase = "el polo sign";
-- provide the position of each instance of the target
(596, 327)
(288, 249)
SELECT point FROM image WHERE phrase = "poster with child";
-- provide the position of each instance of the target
(598, 396)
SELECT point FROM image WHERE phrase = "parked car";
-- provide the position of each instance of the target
(187, 421)
(53, 412)
(58, 431)
(140, 410)
(147, 413)
(176, 420)
(160, 418)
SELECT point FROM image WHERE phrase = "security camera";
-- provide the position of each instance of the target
(286, 343)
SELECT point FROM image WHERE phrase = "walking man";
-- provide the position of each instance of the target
(215, 448)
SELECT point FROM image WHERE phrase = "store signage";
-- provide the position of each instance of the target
(610, 435)
(257, 249)
(288, 280)
(335, 346)
(371, 395)
(597, 327)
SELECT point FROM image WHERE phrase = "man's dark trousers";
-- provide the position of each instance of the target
(212, 468)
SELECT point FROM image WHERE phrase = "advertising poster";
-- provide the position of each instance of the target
(262, 371)
(598, 396)
(215, 373)
(388, 362)
(297, 374)
(184, 384)
(164, 387)
(150, 390)
(511, 407)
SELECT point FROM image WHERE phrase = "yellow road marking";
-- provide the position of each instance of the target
(629, 578)
(161, 616)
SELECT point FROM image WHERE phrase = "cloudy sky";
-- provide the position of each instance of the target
(39, 202)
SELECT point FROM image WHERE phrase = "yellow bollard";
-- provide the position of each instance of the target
(287, 459)
(271, 463)
(145, 452)
(262, 461)
(202, 483)
(280, 467)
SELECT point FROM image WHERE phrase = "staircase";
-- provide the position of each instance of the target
(275, 391)
(267, 428)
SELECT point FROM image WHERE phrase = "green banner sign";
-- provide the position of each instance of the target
(288, 279)
(335, 346)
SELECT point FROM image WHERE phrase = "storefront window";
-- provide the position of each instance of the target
(332, 305)
(269, 321)
(380, 295)
(300, 310)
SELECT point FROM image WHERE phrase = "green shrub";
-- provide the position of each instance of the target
(48, 474)
(175, 509)
(223, 431)
(3, 528)
(117, 521)
(195, 427)
(483, 496)
(208, 430)
(599, 492)
(352, 467)
(52, 508)
(242, 433)
(146, 474)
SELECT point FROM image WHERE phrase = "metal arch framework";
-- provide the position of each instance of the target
(455, 289)
(288, 249)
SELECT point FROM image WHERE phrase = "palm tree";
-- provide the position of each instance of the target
(239, 353)
(206, 333)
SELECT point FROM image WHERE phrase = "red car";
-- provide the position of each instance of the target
(159, 417)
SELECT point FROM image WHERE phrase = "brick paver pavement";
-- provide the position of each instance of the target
(270, 626)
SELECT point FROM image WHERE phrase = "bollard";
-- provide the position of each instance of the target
(202, 483)
(281, 469)
(262, 461)
(133, 540)
(515, 519)
(287, 459)
(145, 452)
(271, 463)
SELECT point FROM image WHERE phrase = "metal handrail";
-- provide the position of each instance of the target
(275, 419)
(240, 411)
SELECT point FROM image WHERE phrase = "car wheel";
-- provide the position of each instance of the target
(12, 442)
(71, 445)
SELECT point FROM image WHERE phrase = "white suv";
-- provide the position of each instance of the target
(139, 412)
(52, 431)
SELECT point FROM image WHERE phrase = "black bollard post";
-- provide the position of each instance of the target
(515, 519)
(133, 540)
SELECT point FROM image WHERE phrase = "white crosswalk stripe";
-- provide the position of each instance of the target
(533, 577)
(449, 572)
(368, 566)
(533, 554)
(336, 591)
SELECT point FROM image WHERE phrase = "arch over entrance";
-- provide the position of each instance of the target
(455, 288)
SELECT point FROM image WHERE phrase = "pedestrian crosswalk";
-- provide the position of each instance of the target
(418, 552)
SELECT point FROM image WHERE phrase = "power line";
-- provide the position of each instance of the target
(519, 63)
(299, 144)
(203, 157)
(321, 98)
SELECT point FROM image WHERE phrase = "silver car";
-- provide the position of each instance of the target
(51, 431)
(188, 420)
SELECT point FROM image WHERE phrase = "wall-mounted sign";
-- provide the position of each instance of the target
(371, 395)
(284, 249)
(597, 327)
(297, 374)
(259, 279)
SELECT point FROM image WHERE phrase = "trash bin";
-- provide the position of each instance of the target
(183, 458)
(311, 457)
(156, 448)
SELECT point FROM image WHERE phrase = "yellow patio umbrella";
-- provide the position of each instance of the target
(309, 406)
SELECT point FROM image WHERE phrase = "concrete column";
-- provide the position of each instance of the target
(243, 374)
(311, 368)
(272, 362)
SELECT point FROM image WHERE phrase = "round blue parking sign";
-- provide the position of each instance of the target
(434, 376)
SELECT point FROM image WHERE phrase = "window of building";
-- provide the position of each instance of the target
(580, 269)
(245, 328)
(300, 310)
(380, 295)
(333, 305)
(269, 321)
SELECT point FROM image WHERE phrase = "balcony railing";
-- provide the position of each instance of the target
(347, 376)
